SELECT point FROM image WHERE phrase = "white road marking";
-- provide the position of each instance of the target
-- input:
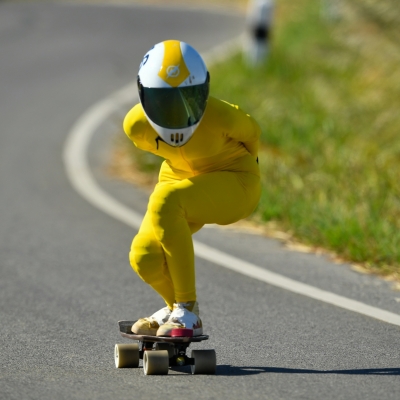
(81, 178)
(76, 163)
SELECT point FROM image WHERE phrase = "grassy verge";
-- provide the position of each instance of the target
(327, 100)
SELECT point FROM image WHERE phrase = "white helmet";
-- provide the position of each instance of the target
(173, 84)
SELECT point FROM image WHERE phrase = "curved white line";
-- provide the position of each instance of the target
(76, 164)
(78, 172)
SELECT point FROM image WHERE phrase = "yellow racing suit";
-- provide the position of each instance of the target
(213, 179)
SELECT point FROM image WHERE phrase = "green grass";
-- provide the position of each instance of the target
(328, 101)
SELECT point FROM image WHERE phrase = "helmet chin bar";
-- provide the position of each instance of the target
(174, 137)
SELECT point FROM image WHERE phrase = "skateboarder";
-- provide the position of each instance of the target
(210, 175)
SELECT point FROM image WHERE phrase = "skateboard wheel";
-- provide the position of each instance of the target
(155, 362)
(205, 362)
(182, 332)
(126, 355)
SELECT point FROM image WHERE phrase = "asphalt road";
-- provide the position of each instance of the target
(65, 279)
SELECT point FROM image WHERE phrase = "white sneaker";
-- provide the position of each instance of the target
(184, 315)
(150, 325)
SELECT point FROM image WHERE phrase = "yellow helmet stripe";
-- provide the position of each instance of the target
(173, 70)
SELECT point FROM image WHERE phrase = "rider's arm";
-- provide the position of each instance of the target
(242, 127)
(135, 126)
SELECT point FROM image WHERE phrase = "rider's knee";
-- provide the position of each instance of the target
(146, 258)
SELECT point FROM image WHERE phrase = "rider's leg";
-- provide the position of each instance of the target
(148, 261)
(218, 197)
(147, 258)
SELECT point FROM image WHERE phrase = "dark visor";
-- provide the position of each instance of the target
(175, 108)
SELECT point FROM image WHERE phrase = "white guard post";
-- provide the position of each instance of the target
(259, 21)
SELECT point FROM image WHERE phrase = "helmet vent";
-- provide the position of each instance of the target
(176, 137)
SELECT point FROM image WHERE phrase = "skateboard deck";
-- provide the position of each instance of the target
(159, 353)
(125, 330)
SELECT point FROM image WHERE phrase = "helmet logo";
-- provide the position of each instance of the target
(173, 71)
(144, 61)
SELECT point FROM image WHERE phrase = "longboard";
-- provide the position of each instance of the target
(159, 353)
